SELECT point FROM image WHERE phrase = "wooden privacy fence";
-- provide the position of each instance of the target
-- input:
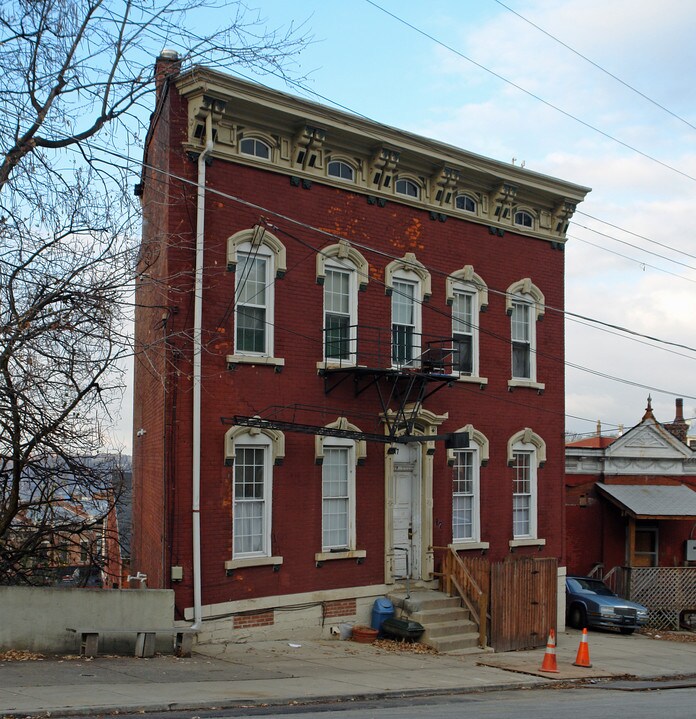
(520, 595)
(456, 578)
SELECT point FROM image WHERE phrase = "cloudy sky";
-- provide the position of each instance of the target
(597, 93)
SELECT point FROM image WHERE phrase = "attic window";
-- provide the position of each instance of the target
(407, 187)
(524, 219)
(254, 147)
(341, 170)
(466, 203)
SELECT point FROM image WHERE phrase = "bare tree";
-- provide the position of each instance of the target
(75, 84)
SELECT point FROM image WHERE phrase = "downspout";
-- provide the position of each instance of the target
(197, 351)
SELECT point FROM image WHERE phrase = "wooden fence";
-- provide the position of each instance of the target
(521, 596)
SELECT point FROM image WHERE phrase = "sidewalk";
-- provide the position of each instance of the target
(279, 673)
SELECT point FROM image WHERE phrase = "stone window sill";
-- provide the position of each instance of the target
(527, 542)
(253, 562)
(254, 359)
(463, 546)
(539, 386)
(348, 554)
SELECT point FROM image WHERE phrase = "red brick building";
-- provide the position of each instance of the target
(354, 281)
(630, 499)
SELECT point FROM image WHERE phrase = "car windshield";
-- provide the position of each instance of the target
(589, 586)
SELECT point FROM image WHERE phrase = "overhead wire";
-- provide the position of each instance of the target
(533, 95)
(597, 65)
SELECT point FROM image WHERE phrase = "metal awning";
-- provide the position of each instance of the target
(652, 501)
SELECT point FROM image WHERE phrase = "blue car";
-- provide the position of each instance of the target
(590, 603)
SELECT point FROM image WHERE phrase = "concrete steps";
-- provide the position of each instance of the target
(448, 626)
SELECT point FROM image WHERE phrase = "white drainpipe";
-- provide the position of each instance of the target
(197, 348)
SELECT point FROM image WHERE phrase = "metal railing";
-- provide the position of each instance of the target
(398, 347)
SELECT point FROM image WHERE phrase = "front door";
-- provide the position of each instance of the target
(406, 519)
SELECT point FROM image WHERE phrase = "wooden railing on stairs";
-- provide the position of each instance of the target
(455, 578)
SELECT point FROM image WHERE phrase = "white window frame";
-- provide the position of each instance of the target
(459, 328)
(464, 196)
(403, 185)
(345, 267)
(525, 306)
(473, 467)
(262, 252)
(523, 218)
(343, 166)
(400, 281)
(346, 448)
(531, 445)
(525, 291)
(263, 443)
(256, 142)
(524, 492)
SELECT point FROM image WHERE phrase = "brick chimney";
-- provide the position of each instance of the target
(167, 64)
(679, 427)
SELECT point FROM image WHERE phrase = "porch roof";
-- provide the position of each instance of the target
(652, 501)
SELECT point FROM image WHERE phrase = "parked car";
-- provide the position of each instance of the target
(79, 576)
(590, 603)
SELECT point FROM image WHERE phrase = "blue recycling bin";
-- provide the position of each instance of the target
(382, 609)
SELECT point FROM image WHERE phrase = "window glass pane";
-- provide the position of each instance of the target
(337, 291)
(337, 317)
(251, 304)
(521, 345)
(464, 202)
(340, 169)
(521, 494)
(463, 495)
(403, 322)
(335, 498)
(463, 332)
(251, 329)
(406, 187)
(403, 306)
(258, 148)
(249, 500)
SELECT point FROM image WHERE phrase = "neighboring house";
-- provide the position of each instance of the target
(355, 283)
(631, 499)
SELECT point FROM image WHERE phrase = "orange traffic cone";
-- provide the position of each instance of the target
(583, 657)
(549, 663)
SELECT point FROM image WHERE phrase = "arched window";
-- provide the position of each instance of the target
(466, 499)
(257, 258)
(525, 305)
(253, 453)
(467, 294)
(408, 282)
(466, 203)
(408, 188)
(342, 270)
(256, 148)
(526, 453)
(341, 170)
(524, 218)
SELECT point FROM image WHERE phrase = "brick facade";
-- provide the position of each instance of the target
(163, 386)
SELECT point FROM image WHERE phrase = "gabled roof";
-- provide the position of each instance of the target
(648, 439)
(652, 501)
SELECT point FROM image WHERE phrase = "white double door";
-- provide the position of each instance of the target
(407, 507)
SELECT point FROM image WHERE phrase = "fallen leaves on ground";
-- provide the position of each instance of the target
(20, 655)
(668, 635)
(390, 645)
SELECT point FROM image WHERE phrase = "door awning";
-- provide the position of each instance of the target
(652, 501)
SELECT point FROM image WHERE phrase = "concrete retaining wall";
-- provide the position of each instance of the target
(35, 618)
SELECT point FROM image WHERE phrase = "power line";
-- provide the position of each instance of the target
(533, 95)
(632, 259)
(596, 65)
